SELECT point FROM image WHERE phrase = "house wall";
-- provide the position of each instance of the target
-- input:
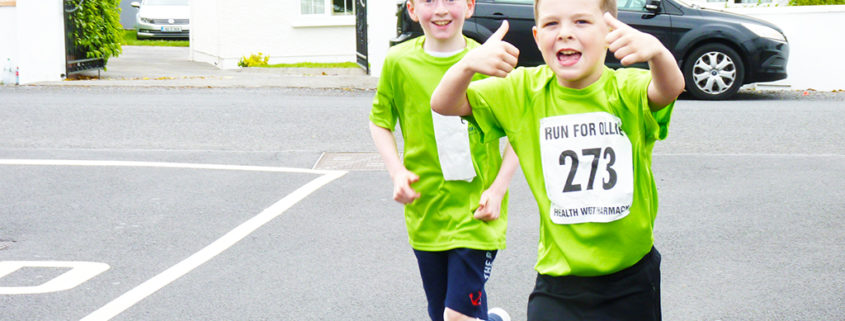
(381, 27)
(224, 31)
(41, 40)
(204, 43)
(8, 43)
(815, 50)
(32, 36)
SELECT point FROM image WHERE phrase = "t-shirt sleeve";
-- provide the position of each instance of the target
(661, 119)
(384, 112)
(655, 124)
(491, 100)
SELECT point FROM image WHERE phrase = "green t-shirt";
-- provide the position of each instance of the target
(442, 218)
(586, 155)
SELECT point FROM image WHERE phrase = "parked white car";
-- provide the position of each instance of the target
(162, 18)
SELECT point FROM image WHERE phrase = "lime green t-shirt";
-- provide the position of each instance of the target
(442, 218)
(586, 155)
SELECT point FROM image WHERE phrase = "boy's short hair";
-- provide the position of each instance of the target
(604, 5)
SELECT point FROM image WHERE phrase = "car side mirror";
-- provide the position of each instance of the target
(653, 6)
(135, 4)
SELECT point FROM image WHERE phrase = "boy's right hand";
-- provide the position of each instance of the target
(402, 191)
(489, 206)
(495, 57)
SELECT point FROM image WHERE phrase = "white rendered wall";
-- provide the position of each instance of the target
(204, 42)
(815, 46)
(40, 40)
(224, 31)
(8, 41)
(381, 27)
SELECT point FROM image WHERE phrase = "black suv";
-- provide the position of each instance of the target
(717, 51)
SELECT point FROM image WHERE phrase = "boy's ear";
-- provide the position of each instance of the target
(412, 10)
(470, 8)
(534, 33)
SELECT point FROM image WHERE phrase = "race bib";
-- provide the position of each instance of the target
(452, 138)
(587, 167)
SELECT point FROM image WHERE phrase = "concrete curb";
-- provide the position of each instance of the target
(228, 81)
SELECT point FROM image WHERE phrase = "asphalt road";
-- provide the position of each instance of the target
(750, 226)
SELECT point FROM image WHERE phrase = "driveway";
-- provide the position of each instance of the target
(148, 66)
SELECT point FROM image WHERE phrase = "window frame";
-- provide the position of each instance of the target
(325, 19)
(328, 9)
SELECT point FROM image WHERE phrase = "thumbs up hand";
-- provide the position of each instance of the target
(630, 45)
(495, 57)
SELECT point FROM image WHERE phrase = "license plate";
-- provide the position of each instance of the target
(171, 29)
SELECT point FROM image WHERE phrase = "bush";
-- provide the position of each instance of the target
(97, 27)
(815, 2)
(254, 60)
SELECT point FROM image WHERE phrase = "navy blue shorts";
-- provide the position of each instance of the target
(631, 294)
(455, 279)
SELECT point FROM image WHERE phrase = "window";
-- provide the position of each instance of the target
(631, 5)
(325, 13)
(327, 7)
(312, 6)
(342, 7)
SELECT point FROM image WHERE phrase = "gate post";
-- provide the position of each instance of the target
(361, 34)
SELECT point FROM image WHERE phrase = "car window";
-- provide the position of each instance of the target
(631, 5)
(166, 2)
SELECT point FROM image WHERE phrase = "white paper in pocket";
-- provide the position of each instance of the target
(453, 147)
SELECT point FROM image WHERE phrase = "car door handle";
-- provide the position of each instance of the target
(500, 15)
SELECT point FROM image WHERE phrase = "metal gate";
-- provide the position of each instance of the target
(361, 34)
(76, 59)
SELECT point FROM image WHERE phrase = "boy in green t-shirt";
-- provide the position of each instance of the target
(450, 182)
(584, 135)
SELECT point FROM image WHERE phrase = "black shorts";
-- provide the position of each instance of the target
(631, 294)
(455, 279)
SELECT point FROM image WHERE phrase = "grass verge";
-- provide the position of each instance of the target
(313, 65)
(130, 38)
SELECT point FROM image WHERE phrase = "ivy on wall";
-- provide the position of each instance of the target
(97, 30)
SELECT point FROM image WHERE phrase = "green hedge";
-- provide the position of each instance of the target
(97, 27)
(814, 2)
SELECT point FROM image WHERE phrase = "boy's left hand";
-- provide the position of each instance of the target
(489, 206)
(629, 45)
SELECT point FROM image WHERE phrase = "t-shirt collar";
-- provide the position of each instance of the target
(592, 88)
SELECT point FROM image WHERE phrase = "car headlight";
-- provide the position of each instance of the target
(146, 20)
(764, 31)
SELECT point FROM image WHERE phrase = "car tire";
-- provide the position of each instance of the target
(713, 71)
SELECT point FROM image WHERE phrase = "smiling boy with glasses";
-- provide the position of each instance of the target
(453, 186)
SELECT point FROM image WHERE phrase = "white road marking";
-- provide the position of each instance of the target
(795, 155)
(104, 163)
(173, 273)
(79, 273)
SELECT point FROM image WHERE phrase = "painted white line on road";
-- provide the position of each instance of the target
(79, 273)
(187, 265)
(796, 155)
(106, 163)
(159, 281)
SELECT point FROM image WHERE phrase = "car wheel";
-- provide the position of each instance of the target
(713, 71)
